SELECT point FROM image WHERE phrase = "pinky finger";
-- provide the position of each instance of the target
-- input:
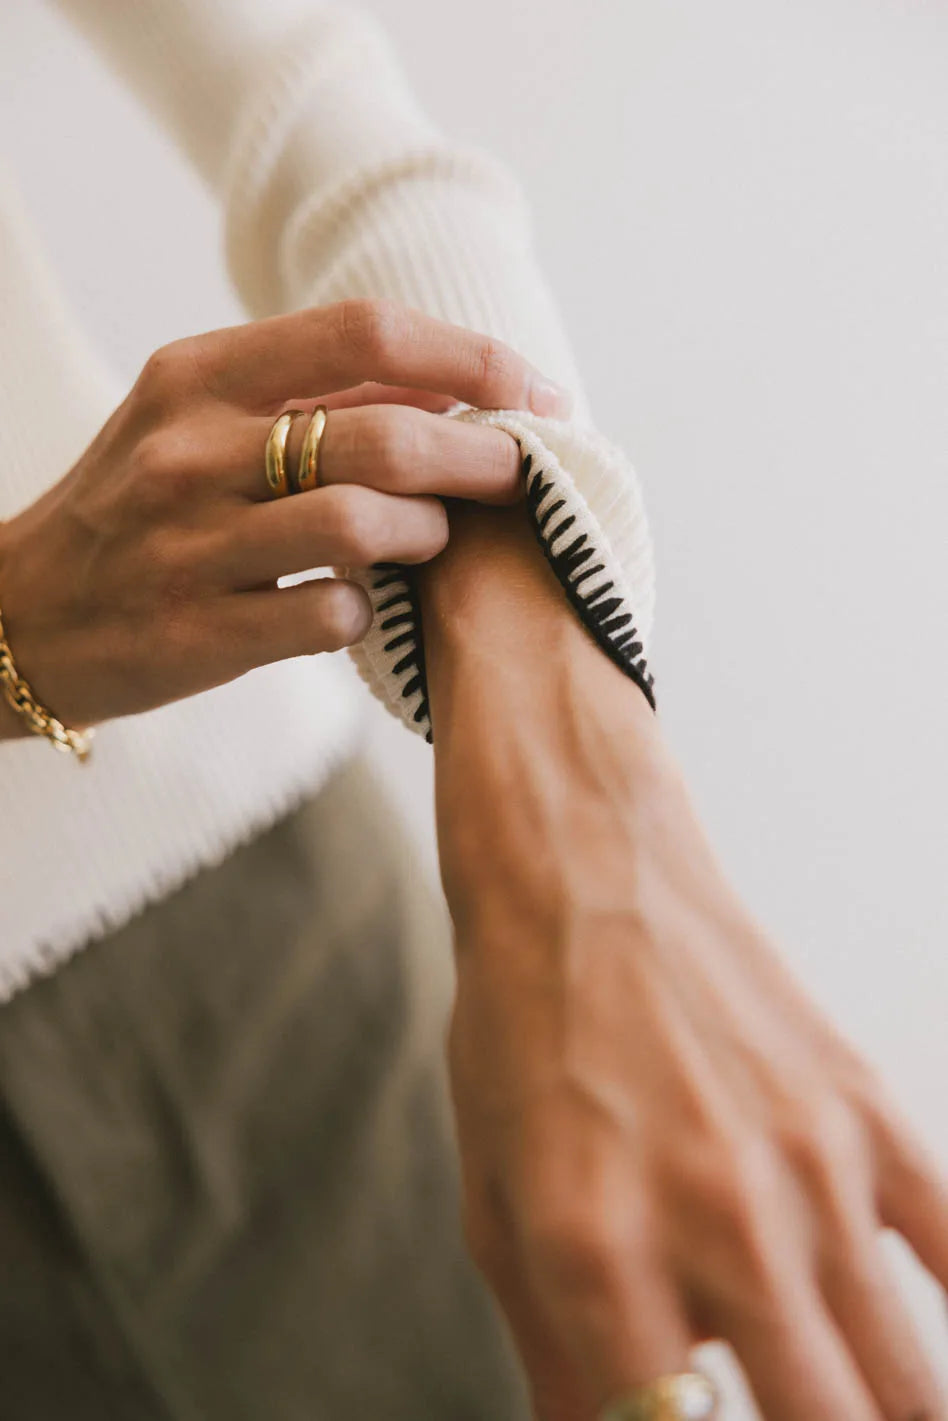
(913, 1198)
(255, 628)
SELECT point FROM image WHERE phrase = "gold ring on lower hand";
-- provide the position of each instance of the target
(684, 1396)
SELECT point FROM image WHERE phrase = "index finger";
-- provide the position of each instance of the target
(328, 348)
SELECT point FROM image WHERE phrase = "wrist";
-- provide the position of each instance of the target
(24, 710)
(504, 644)
(12, 725)
(546, 754)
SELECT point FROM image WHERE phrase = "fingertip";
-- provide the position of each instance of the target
(434, 539)
(347, 612)
(548, 398)
(440, 541)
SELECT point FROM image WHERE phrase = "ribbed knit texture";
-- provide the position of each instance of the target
(333, 183)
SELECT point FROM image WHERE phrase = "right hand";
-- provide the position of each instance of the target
(149, 572)
(662, 1138)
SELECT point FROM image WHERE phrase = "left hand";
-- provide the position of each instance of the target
(150, 571)
(662, 1138)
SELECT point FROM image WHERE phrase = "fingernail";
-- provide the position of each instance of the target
(548, 398)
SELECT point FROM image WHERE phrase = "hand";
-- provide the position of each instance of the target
(662, 1140)
(149, 572)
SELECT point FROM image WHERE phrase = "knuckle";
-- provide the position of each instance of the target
(872, 1102)
(810, 1161)
(166, 375)
(394, 438)
(496, 365)
(504, 464)
(149, 457)
(166, 465)
(856, 1080)
(341, 617)
(438, 531)
(370, 328)
(736, 1200)
(351, 523)
(427, 532)
(822, 1147)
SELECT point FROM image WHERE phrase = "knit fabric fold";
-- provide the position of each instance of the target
(577, 486)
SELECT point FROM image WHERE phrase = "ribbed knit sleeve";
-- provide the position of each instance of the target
(333, 181)
(334, 184)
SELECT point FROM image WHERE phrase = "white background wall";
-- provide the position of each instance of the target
(744, 208)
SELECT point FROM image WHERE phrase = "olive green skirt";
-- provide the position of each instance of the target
(228, 1177)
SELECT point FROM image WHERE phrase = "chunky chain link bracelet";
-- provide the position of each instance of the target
(20, 695)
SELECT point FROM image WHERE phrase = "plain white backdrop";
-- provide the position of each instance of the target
(743, 207)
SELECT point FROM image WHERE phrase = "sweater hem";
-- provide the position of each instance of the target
(50, 953)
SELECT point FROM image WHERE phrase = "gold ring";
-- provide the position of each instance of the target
(276, 452)
(685, 1396)
(308, 477)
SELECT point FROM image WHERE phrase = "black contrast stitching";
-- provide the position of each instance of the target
(403, 619)
(575, 564)
(614, 630)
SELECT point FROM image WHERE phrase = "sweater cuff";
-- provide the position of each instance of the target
(577, 486)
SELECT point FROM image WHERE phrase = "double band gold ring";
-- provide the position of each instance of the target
(275, 459)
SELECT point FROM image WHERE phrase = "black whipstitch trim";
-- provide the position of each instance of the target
(401, 615)
(574, 565)
(613, 630)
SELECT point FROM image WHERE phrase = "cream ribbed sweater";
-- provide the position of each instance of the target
(332, 183)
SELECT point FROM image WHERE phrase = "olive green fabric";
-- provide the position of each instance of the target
(228, 1180)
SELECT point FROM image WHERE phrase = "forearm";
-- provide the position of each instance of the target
(333, 182)
(635, 1076)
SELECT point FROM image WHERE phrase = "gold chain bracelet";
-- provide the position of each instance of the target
(19, 694)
